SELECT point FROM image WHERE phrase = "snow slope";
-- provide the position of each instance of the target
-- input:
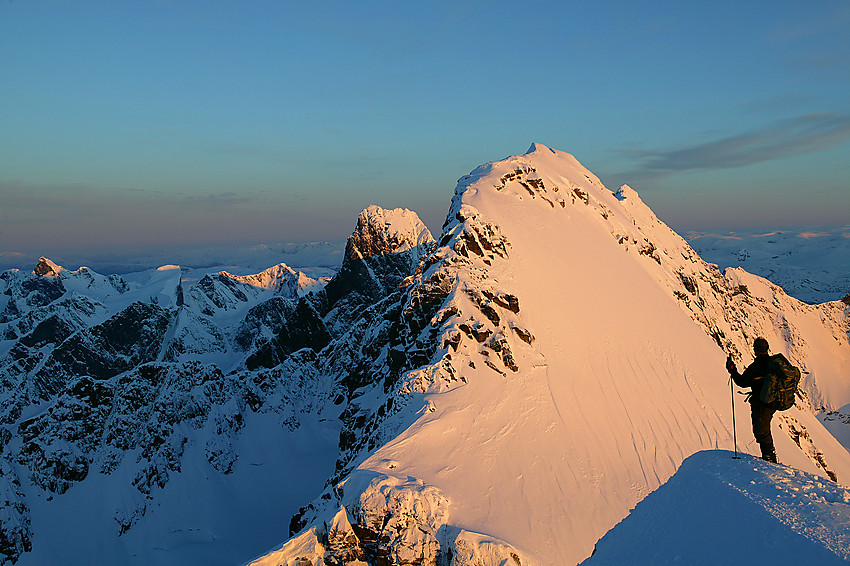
(717, 510)
(579, 367)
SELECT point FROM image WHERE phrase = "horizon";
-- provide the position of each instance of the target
(323, 257)
(155, 125)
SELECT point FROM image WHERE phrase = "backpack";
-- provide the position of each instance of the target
(780, 383)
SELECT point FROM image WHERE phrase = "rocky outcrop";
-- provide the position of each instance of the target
(386, 520)
(46, 268)
(382, 232)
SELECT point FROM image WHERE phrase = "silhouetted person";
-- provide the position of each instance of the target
(753, 377)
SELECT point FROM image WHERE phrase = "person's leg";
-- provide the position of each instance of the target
(762, 414)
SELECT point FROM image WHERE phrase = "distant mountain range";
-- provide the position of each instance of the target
(811, 264)
(505, 394)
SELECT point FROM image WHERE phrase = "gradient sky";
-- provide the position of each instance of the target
(153, 123)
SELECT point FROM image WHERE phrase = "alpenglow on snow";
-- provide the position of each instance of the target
(506, 394)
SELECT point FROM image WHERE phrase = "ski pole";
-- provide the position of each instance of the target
(734, 431)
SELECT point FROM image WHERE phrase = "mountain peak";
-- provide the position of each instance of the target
(380, 231)
(47, 268)
(539, 147)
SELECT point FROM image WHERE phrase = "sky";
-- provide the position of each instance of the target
(147, 124)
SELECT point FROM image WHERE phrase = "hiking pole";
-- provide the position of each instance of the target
(734, 431)
(730, 365)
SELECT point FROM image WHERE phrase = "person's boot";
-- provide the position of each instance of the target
(769, 456)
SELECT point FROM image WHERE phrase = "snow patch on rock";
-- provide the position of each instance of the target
(380, 231)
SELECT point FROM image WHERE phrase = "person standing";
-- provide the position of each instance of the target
(754, 378)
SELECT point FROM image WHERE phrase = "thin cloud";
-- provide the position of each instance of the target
(792, 136)
(832, 19)
(228, 198)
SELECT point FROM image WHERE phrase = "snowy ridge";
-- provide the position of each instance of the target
(574, 363)
(280, 278)
(504, 395)
(774, 515)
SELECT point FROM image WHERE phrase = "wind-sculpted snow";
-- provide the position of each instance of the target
(717, 510)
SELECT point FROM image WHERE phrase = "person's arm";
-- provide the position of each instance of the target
(741, 380)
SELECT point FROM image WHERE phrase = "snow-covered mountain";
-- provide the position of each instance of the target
(136, 408)
(812, 264)
(316, 259)
(504, 395)
(558, 356)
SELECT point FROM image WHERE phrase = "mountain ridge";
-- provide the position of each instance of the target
(506, 393)
(492, 240)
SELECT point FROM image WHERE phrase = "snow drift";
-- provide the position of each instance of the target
(716, 510)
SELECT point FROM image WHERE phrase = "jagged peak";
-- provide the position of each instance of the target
(546, 168)
(270, 278)
(625, 193)
(381, 231)
(539, 147)
(47, 268)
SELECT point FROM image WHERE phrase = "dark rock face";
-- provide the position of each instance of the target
(382, 232)
(26, 293)
(46, 268)
(15, 533)
(264, 321)
(363, 282)
(300, 327)
(51, 330)
(220, 290)
(132, 337)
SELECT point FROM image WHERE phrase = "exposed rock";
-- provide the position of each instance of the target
(382, 232)
(389, 521)
(46, 268)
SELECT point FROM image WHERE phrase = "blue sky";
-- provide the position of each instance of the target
(154, 123)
